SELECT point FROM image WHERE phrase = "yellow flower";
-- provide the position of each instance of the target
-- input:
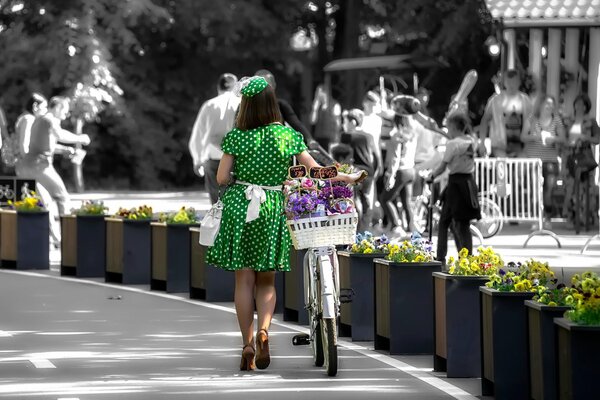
(368, 250)
(452, 269)
(463, 253)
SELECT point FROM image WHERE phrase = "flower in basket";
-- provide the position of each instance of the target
(416, 250)
(366, 243)
(91, 207)
(303, 203)
(585, 299)
(142, 213)
(185, 216)
(484, 262)
(29, 203)
(337, 197)
(522, 277)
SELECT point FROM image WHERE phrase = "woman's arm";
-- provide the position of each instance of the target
(530, 134)
(306, 159)
(225, 169)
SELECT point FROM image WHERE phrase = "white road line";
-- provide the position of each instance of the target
(41, 363)
(426, 377)
(5, 334)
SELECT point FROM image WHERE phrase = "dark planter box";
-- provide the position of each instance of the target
(208, 282)
(504, 344)
(24, 240)
(83, 243)
(456, 324)
(357, 272)
(293, 289)
(578, 355)
(404, 306)
(542, 349)
(171, 257)
(128, 251)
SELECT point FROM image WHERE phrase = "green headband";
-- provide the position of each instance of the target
(254, 86)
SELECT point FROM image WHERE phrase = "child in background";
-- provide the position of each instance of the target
(460, 203)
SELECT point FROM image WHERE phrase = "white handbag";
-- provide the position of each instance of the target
(209, 227)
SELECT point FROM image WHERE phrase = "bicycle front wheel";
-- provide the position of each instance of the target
(329, 338)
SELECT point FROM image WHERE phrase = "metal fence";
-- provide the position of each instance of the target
(517, 186)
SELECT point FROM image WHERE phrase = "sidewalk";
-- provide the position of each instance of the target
(82, 339)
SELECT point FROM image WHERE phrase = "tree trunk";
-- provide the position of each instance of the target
(77, 166)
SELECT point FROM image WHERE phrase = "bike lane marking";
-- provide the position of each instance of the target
(415, 372)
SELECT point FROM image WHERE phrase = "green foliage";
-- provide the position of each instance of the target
(144, 67)
(91, 207)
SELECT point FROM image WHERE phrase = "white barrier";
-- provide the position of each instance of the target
(517, 186)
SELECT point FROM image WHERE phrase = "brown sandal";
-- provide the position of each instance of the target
(247, 363)
(263, 357)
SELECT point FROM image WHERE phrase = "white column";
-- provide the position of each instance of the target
(553, 65)
(536, 40)
(593, 81)
(511, 51)
(572, 66)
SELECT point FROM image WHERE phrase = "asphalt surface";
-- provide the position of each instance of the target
(63, 338)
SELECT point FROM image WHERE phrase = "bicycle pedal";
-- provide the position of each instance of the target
(346, 295)
(302, 339)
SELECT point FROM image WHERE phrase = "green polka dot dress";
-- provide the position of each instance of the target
(262, 157)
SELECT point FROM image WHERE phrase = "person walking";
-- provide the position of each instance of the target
(38, 163)
(36, 106)
(460, 203)
(253, 238)
(507, 115)
(215, 118)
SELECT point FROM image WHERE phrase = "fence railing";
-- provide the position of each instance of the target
(517, 186)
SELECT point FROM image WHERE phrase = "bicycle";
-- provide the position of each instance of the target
(322, 293)
(490, 224)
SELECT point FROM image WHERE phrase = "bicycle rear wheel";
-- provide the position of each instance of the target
(492, 219)
(329, 338)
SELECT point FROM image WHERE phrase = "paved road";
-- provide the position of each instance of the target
(62, 338)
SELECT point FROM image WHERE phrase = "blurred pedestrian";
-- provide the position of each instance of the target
(460, 203)
(372, 122)
(365, 156)
(547, 133)
(582, 133)
(508, 116)
(36, 106)
(254, 241)
(215, 118)
(326, 117)
(400, 174)
(38, 163)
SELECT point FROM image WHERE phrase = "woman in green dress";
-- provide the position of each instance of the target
(253, 238)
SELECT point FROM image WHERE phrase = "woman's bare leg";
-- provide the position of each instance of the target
(265, 298)
(245, 280)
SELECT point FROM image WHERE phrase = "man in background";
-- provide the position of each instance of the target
(507, 115)
(215, 118)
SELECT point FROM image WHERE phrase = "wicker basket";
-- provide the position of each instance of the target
(331, 230)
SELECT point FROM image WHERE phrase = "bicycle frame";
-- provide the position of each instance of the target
(320, 272)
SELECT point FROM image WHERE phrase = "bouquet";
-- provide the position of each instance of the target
(91, 207)
(185, 216)
(525, 277)
(308, 197)
(416, 250)
(585, 299)
(142, 213)
(366, 243)
(485, 262)
(31, 202)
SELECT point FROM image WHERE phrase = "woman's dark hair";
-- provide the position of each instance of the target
(34, 100)
(587, 103)
(461, 121)
(258, 110)
(540, 101)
